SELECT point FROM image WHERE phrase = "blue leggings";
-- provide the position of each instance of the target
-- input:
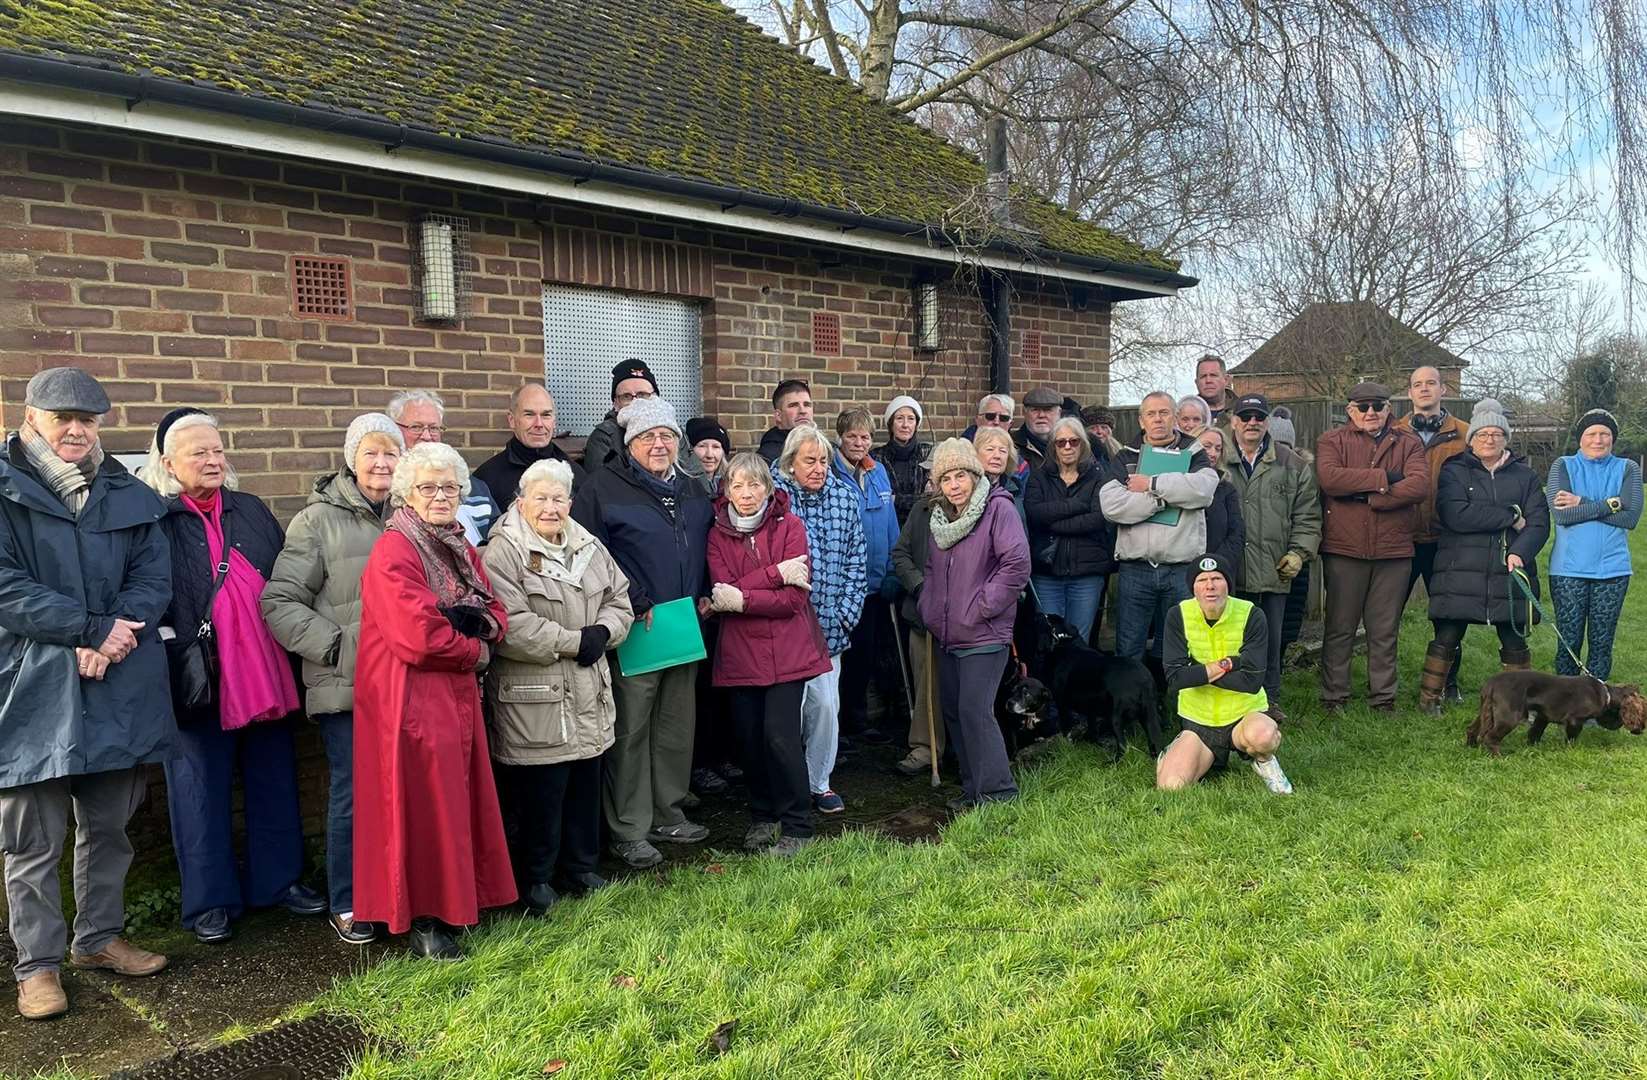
(1587, 604)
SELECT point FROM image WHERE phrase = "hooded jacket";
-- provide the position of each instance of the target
(545, 707)
(969, 597)
(63, 582)
(312, 600)
(776, 637)
(1475, 509)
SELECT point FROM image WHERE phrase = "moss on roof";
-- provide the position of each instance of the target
(685, 88)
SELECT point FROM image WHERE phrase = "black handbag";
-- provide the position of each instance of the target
(193, 661)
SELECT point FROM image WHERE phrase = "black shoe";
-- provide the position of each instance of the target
(540, 898)
(433, 940)
(730, 773)
(874, 736)
(580, 884)
(351, 932)
(708, 782)
(212, 927)
(302, 900)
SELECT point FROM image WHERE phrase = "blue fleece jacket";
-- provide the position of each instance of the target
(878, 510)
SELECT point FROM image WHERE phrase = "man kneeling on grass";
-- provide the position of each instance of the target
(1216, 646)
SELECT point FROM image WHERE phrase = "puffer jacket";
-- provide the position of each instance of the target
(545, 708)
(1445, 445)
(1368, 517)
(903, 466)
(1476, 509)
(776, 637)
(1226, 529)
(877, 512)
(970, 595)
(1281, 508)
(836, 553)
(1138, 538)
(312, 600)
(1068, 533)
(63, 582)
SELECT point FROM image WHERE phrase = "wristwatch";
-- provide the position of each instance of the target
(1615, 504)
(1225, 663)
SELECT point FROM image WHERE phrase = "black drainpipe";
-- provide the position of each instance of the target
(998, 301)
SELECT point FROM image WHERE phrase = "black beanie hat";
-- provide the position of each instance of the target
(1594, 417)
(1211, 562)
(632, 369)
(700, 428)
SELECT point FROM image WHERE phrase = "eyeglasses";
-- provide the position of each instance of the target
(429, 491)
(1064, 443)
(642, 395)
(998, 417)
(1369, 406)
(1250, 417)
(1496, 436)
(655, 437)
(421, 429)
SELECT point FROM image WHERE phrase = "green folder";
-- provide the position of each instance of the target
(1154, 461)
(674, 639)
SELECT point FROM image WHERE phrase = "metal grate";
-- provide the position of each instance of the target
(826, 333)
(321, 287)
(319, 1048)
(586, 332)
(1032, 347)
(445, 265)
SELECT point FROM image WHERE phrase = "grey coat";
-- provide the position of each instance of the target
(545, 708)
(312, 600)
(63, 582)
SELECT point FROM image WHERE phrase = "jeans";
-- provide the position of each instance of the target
(821, 725)
(337, 731)
(1073, 599)
(1593, 603)
(1145, 593)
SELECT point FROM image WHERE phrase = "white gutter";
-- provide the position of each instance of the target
(153, 118)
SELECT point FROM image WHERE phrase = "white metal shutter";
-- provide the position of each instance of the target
(586, 332)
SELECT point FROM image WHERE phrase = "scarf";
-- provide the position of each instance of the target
(69, 481)
(949, 533)
(446, 566)
(902, 451)
(663, 490)
(254, 675)
(753, 521)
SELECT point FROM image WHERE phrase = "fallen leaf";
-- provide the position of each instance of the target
(553, 1067)
(720, 1040)
(623, 982)
(714, 868)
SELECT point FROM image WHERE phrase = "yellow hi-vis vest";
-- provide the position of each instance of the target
(1210, 705)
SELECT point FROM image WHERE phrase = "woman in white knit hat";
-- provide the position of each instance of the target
(904, 453)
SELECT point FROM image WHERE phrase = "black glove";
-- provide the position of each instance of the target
(592, 644)
(1395, 476)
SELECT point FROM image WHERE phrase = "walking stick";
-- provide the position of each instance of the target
(903, 665)
(931, 723)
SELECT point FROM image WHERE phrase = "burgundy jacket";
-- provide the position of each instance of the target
(776, 637)
(1368, 516)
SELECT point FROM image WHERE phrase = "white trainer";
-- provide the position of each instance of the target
(1270, 771)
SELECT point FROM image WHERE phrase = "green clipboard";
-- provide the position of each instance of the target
(675, 639)
(1154, 461)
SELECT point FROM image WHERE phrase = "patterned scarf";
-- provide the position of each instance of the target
(445, 556)
(949, 533)
(69, 481)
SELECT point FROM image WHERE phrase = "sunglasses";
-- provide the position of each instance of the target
(1066, 442)
(998, 417)
(1369, 406)
(1250, 417)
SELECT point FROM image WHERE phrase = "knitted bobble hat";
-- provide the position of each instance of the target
(1488, 413)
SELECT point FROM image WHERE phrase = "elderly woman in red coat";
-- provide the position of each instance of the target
(429, 843)
(770, 644)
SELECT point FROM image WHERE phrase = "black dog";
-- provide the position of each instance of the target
(1020, 708)
(1115, 694)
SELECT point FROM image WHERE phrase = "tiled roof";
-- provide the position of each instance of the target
(681, 88)
(1344, 336)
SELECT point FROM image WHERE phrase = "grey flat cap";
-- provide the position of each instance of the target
(66, 389)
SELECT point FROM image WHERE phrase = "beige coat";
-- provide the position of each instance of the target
(545, 709)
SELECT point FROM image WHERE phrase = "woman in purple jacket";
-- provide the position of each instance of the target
(977, 564)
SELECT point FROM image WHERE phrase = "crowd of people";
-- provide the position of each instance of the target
(454, 633)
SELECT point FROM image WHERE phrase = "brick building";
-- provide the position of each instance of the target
(221, 205)
(1329, 347)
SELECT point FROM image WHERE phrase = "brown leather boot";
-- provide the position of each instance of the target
(121, 957)
(1438, 660)
(1515, 659)
(41, 997)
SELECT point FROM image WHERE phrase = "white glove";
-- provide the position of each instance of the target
(726, 598)
(794, 572)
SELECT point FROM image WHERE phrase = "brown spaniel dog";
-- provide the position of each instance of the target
(1510, 697)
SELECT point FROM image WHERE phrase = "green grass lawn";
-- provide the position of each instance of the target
(1416, 909)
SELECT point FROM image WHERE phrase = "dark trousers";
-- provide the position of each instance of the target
(1450, 632)
(337, 731)
(1298, 600)
(1370, 593)
(557, 809)
(1424, 567)
(768, 722)
(865, 663)
(966, 690)
(1274, 607)
(200, 793)
(715, 743)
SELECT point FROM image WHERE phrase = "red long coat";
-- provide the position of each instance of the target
(776, 638)
(428, 834)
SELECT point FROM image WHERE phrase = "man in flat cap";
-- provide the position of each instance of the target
(1373, 475)
(85, 574)
(1042, 408)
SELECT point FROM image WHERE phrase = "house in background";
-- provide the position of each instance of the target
(285, 212)
(1329, 347)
